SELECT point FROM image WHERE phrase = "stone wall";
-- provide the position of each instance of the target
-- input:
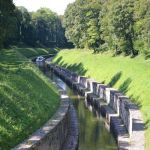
(54, 134)
(123, 117)
(82, 81)
(101, 91)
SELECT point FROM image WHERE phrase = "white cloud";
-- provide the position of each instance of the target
(57, 6)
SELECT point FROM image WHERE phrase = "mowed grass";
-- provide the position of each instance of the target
(27, 98)
(31, 52)
(130, 75)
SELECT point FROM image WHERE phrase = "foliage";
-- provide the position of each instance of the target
(121, 25)
(142, 26)
(7, 21)
(46, 24)
(81, 23)
(24, 26)
(42, 28)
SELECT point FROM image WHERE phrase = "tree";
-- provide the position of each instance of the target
(7, 21)
(61, 40)
(48, 28)
(24, 24)
(70, 22)
(142, 26)
(122, 25)
(81, 23)
(122, 21)
(42, 28)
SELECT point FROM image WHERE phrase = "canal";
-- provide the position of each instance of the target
(93, 134)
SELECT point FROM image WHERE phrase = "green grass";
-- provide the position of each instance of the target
(30, 52)
(130, 75)
(27, 98)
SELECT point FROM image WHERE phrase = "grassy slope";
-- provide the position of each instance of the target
(30, 52)
(27, 98)
(131, 76)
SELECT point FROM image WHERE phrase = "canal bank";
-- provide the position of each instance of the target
(122, 117)
(93, 132)
(60, 132)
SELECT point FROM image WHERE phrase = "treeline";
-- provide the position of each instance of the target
(40, 28)
(119, 25)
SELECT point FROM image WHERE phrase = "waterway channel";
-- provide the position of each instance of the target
(93, 134)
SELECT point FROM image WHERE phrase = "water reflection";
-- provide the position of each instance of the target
(93, 134)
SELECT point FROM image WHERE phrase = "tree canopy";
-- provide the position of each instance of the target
(122, 26)
(7, 20)
(119, 25)
(42, 27)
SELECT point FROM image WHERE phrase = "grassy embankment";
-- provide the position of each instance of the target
(130, 76)
(27, 98)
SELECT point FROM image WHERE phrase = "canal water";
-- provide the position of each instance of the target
(93, 134)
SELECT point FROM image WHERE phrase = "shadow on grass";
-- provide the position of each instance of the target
(124, 87)
(30, 52)
(58, 61)
(115, 79)
(77, 67)
(147, 124)
(135, 100)
(10, 58)
(9, 107)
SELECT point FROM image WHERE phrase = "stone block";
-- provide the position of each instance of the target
(125, 114)
(94, 86)
(115, 102)
(82, 81)
(75, 78)
(101, 91)
(89, 85)
(109, 97)
(112, 98)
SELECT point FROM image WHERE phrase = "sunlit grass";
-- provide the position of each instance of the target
(129, 75)
(27, 98)
(30, 52)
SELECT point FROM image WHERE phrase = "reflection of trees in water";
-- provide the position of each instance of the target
(92, 132)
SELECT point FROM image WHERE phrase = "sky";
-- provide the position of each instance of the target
(57, 6)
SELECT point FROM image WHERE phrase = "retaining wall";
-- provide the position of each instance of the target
(55, 133)
(123, 117)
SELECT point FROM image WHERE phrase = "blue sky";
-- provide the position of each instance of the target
(57, 6)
